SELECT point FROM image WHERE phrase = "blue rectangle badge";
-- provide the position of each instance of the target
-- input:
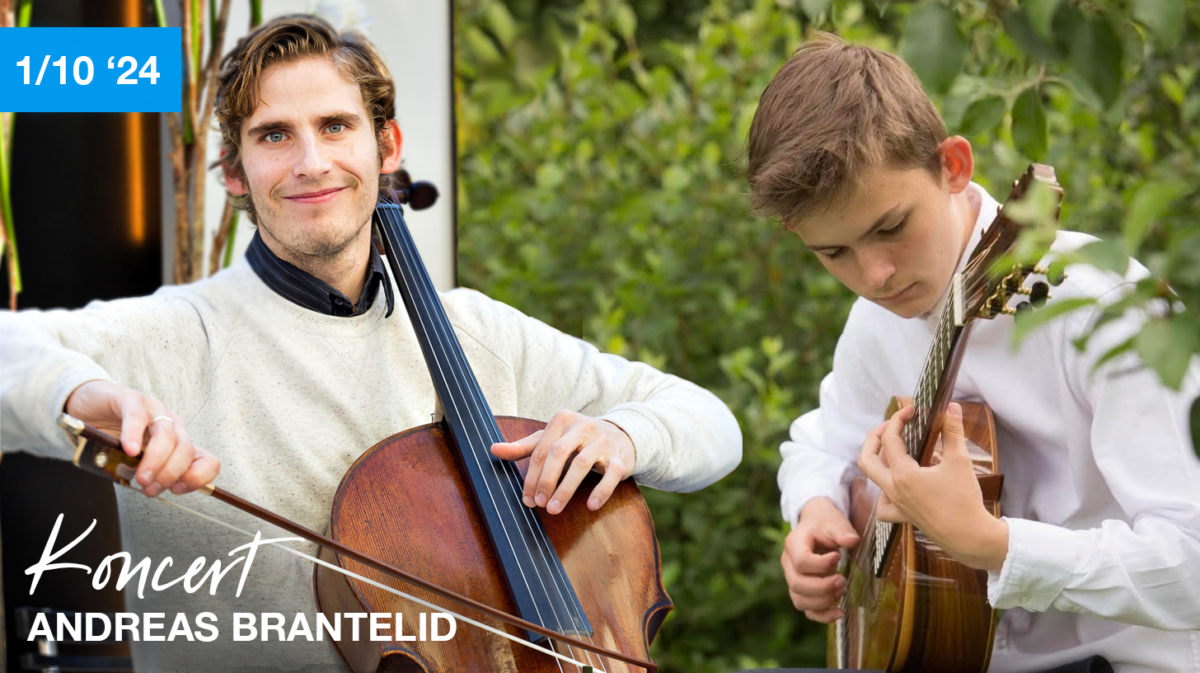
(90, 69)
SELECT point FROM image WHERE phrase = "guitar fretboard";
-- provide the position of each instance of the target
(932, 377)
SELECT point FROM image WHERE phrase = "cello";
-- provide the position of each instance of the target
(433, 509)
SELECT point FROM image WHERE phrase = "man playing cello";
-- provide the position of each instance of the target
(279, 371)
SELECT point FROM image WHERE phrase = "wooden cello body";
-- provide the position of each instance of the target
(405, 501)
(926, 612)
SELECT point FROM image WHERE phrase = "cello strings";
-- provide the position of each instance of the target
(473, 397)
(351, 573)
(418, 293)
(456, 359)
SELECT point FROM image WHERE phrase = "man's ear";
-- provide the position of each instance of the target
(232, 182)
(391, 139)
(958, 162)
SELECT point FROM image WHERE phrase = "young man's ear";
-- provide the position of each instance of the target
(390, 139)
(232, 182)
(958, 163)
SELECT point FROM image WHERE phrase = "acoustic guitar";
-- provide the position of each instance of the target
(909, 606)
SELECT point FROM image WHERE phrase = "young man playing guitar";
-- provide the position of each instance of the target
(286, 367)
(1100, 546)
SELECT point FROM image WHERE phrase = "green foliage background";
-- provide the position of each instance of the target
(601, 189)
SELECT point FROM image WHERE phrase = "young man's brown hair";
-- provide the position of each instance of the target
(283, 40)
(831, 114)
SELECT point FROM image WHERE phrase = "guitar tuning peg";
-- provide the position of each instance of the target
(1038, 294)
(1019, 309)
(1055, 279)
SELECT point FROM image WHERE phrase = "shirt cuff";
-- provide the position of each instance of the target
(1041, 558)
(793, 503)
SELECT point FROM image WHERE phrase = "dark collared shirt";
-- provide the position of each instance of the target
(301, 287)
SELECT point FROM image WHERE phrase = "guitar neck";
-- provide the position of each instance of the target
(939, 371)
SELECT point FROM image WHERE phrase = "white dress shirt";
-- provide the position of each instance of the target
(1101, 483)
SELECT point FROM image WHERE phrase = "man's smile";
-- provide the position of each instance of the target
(319, 196)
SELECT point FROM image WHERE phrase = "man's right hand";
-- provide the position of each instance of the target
(810, 559)
(170, 461)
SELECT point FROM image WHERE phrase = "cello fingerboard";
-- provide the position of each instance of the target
(533, 571)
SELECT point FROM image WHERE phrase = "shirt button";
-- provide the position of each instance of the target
(1025, 598)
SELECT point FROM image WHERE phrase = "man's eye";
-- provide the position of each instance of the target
(894, 230)
(834, 255)
(336, 128)
(274, 137)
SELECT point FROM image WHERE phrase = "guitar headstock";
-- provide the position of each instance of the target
(985, 293)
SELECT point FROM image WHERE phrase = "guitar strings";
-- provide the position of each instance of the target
(862, 559)
(454, 356)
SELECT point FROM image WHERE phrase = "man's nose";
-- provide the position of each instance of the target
(877, 268)
(313, 160)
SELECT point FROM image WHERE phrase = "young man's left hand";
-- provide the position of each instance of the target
(588, 443)
(943, 501)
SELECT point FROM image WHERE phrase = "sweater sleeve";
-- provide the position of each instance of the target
(686, 438)
(157, 344)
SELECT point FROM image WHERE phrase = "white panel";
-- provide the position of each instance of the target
(413, 36)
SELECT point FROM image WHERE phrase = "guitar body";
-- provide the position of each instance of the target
(926, 612)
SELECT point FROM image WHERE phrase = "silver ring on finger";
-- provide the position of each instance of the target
(162, 418)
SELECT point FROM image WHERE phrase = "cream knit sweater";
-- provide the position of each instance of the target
(287, 399)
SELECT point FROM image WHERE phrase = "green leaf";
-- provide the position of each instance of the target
(983, 114)
(625, 20)
(1041, 14)
(1028, 320)
(24, 12)
(1109, 255)
(1114, 352)
(1173, 88)
(1037, 207)
(482, 46)
(501, 23)
(1166, 345)
(814, 9)
(1029, 125)
(1019, 27)
(933, 45)
(1164, 18)
(1151, 201)
(1095, 53)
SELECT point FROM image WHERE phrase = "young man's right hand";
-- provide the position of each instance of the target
(170, 461)
(810, 559)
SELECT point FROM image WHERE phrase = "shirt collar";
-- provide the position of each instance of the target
(988, 207)
(301, 287)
